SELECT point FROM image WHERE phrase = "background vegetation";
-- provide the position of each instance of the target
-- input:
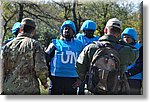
(49, 15)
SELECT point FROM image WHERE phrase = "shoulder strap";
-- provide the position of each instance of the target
(117, 47)
(100, 44)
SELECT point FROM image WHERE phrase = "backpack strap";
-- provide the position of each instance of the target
(100, 44)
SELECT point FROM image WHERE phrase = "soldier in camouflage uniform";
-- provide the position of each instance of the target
(24, 63)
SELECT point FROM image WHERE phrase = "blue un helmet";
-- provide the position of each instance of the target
(16, 28)
(70, 24)
(130, 32)
(88, 25)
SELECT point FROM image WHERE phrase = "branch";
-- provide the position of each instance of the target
(38, 17)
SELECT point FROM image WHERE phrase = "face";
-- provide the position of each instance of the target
(89, 33)
(67, 33)
(33, 34)
(127, 39)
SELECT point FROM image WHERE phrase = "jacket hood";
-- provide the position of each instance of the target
(130, 32)
(70, 24)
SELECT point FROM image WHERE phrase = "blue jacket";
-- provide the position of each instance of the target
(85, 40)
(66, 54)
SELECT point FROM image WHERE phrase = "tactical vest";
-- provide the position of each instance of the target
(66, 54)
(86, 41)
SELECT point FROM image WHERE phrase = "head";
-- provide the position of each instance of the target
(113, 27)
(15, 28)
(129, 35)
(88, 27)
(68, 30)
(28, 26)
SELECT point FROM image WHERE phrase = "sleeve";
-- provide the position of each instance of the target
(133, 55)
(40, 64)
(50, 52)
(3, 61)
(83, 61)
(82, 64)
(138, 66)
(50, 48)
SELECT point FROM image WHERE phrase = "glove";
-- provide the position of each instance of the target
(128, 74)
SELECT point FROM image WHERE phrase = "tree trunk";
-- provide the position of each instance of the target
(74, 15)
(20, 12)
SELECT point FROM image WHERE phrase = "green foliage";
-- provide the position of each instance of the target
(49, 16)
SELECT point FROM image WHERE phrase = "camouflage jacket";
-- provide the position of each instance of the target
(127, 53)
(23, 63)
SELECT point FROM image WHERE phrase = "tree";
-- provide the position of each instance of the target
(50, 15)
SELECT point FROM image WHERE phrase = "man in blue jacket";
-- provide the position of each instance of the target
(134, 71)
(86, 37)
(64, 53)
(14, 30)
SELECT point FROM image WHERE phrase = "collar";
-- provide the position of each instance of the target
(110, 38)
(24, 35)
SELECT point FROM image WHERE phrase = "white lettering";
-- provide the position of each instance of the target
(71, 56)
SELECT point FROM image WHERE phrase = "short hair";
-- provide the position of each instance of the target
(28, 25)
(28, 29)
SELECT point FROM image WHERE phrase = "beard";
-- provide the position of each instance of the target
(67, 36)
(89, 35)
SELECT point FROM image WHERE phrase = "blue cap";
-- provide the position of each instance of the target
(130, 32)
(70, 24)
(15, 27)
(88, 25)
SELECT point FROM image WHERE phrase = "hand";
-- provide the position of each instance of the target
(45, 86)
(127, 74)
(77, 83)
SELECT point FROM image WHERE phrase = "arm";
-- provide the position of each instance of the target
(128, 55)
(133, 55)
(49, 53)
(82, 64)
(138, 67)
(84, 59)
(40, 64)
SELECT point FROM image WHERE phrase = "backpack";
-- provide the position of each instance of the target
(104, 69)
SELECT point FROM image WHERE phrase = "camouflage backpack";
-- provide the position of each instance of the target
(104, 69)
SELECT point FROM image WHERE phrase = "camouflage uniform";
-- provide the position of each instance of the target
(23, 63)
(127, 54)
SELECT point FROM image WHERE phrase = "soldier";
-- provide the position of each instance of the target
(86, 37)
(24, 62)
(64, 53)
(14, 30)
(88, 28)
(134, 72)
(112, 34)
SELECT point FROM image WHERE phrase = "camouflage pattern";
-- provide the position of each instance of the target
(23, 63)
